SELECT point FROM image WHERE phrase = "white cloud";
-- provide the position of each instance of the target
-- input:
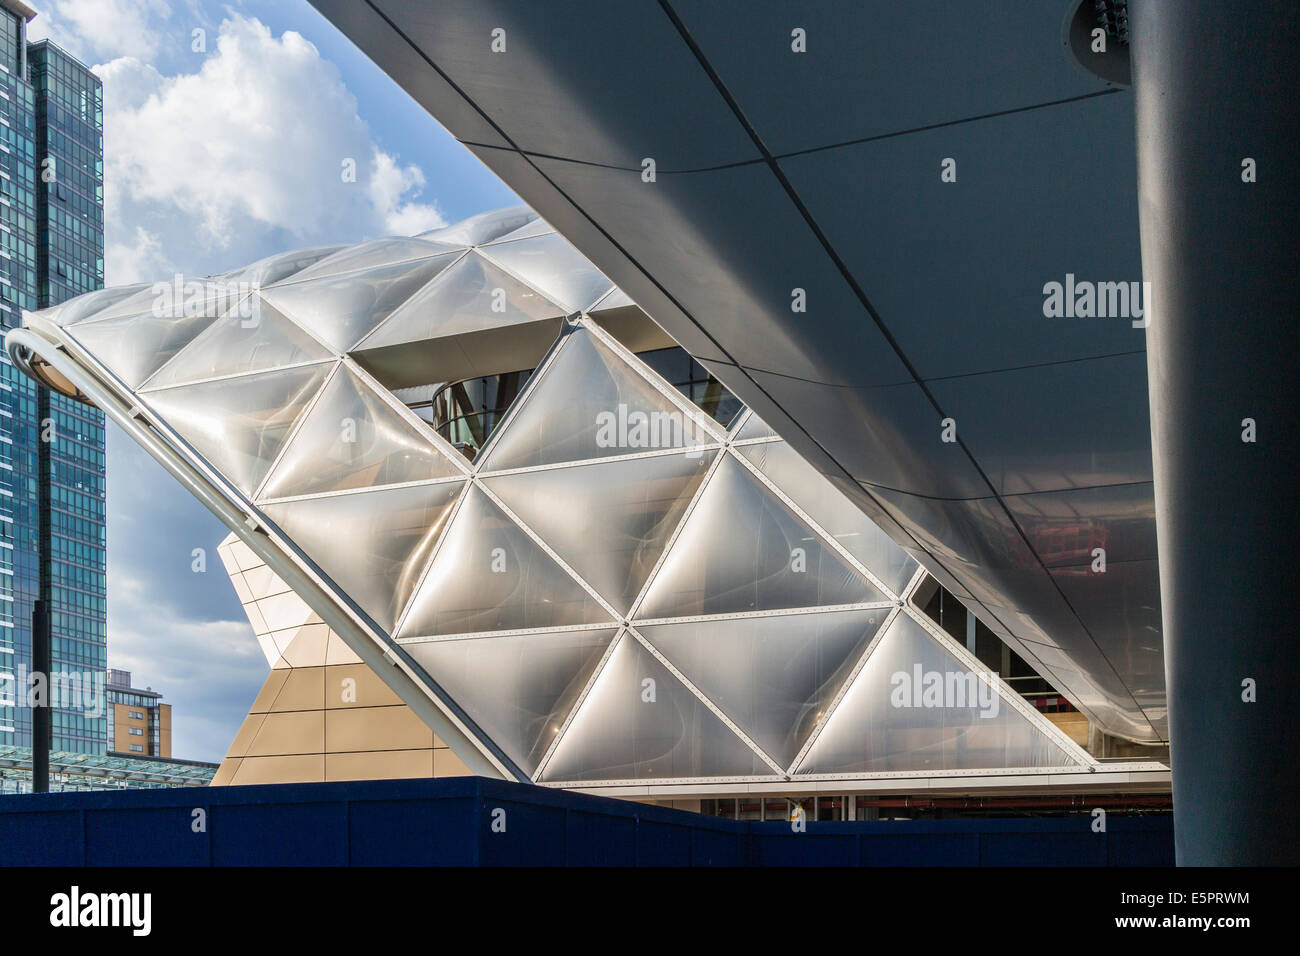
(245, 157)
(236, 157)
(138, 254)
(209, 670)
(389, 183)
(99, 29)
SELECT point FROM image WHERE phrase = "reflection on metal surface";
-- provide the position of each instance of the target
(889, 721)
(923, 298)
(617, 589)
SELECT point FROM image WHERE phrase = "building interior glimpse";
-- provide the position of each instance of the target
(466, 412)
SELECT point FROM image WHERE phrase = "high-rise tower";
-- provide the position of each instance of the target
(52, 486)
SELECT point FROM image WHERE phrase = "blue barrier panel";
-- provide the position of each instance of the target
(156, 833)
(1043, 848)
(40, 837)
(412, 832)
(300, 834)
(822, 844)
(469, 821)
(532, 836)
(662, 844)
(1140, 841)
(718, 848)
(914, 848)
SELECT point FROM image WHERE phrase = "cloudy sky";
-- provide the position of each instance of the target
(214, 158)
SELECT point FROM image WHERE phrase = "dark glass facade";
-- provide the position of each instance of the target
(52, 486)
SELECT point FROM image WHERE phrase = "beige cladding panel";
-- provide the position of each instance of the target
(356, 685)
(308, 768)
(376, 728)
(387, 765)
(304, 689)
(301, 732)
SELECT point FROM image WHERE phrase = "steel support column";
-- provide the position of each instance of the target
(1218, 138)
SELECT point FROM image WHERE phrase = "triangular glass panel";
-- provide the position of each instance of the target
(369, 255)
(754, 427)
(916, 707)
(774, 676)
(352, 438)
(836, 514)
(589, 403)
(372, 544)
(249, 339)
(553, 267)
(239, 424)
(279, 267)
(135, 346)
(742, 549)
(182, 297)
(102, 304)
(470, 296)
(538, 227)
(517, 688)
(341, 310)
(609, 521)
(484, 227)
(489, 575)
(628, 729)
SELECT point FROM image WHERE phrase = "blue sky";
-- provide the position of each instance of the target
(214, 159)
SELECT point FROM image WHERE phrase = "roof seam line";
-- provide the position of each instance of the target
(857, 141)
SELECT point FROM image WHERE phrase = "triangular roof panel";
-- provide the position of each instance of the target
(240, 424)
(774, 676)
(517, 688)
(639, 722)
(351, 439)
(553, 267)
(470, 296)
(243, 340)
(489, 575)
(742, 549)
(340, 310)
(915, 707)
(372, 544)
(609, 521)
(589, 403)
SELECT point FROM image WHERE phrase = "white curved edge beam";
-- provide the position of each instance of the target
(388, 661)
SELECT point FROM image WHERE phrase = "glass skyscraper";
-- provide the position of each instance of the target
(51, 448)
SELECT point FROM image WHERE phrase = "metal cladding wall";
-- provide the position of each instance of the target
(449, 822)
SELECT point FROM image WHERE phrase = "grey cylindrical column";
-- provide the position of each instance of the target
(1217, 96)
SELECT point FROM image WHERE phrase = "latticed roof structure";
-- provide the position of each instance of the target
(617, 587)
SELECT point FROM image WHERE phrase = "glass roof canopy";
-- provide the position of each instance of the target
(104, 771)
(617, 589)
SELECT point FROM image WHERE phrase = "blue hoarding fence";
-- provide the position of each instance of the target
(472, 821)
